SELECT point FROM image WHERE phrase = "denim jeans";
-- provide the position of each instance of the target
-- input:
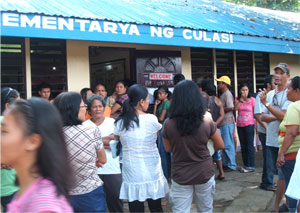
(228, 154)
(181, 196)
(271, 158)
(217, 156)
(165, 157)
(93, 201)
(264, 180)
(287, 170)
(246, 136)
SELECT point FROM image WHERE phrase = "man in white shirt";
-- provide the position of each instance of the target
(276, 104)
(258, 110)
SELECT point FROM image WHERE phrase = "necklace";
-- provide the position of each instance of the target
(275, 99)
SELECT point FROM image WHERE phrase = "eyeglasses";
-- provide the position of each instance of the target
(275, 100)
(83, 106)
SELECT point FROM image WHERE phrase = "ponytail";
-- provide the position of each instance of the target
(128, 115)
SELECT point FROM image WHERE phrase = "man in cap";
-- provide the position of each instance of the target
(227, 125)
(276, 104)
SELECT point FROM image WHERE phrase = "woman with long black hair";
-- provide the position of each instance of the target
(32, 142)
(142, 174)
(186, 133)
(86, 151)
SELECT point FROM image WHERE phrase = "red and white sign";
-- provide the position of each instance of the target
(160, 76)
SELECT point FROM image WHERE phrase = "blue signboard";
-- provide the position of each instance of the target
(42, 26)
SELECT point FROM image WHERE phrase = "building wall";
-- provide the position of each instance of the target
(292, 60)
(78, 60)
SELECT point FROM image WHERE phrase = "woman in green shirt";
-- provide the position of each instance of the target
(161, 107)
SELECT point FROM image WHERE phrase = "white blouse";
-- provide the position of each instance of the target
(142, 172)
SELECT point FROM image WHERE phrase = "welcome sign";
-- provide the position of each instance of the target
(42, 26)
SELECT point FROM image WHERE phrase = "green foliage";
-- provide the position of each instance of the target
(286, 5)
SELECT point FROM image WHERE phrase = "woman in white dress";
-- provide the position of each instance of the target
(143, 178)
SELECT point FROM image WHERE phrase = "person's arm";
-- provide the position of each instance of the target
(106, 141)
(162, 115)
(258, 119)
(237, 105)
(156, 103)
(221, 113)
(101, 158)
(291, 133)
(267, 118)
(218, 141)
(115, 108)
(277, 113)
(228, 109)
(168, 145)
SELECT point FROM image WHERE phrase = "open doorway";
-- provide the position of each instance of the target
(110, 64)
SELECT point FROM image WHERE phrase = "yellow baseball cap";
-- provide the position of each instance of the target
(224, 79)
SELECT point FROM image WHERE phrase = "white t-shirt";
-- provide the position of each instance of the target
(258, 109)
(282, 103)
(112, 165)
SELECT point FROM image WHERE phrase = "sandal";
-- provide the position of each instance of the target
(243, 170)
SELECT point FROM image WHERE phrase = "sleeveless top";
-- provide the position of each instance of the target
(214, 109)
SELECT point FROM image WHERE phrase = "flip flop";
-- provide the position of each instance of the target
(243, 170)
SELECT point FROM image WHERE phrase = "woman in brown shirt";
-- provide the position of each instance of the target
(185, 134)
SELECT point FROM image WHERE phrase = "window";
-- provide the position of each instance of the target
(224, 59)
(202, 63)
(13, 64)
(262, 68)
(48, 64)
(244, 69)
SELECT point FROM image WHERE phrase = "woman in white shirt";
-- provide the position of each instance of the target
(142, 174)
(110, 172)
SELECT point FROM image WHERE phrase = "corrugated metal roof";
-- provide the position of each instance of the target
(209, 15)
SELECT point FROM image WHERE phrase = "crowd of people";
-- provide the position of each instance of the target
(89, 152)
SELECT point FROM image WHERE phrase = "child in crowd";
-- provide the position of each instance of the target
(32, 142)
(161, 107)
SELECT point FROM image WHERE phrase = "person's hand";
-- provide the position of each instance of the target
(263, 96)
(157, 102)
(98, 164)
(280, 160)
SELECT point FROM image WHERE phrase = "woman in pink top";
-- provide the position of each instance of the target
(32, 142)
(244, 104)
